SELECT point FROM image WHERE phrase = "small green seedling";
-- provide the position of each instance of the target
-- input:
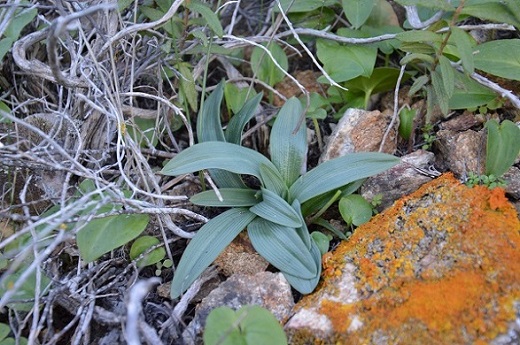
(503, 146)
(355, 210)
(490, 181)
(141, 246)
(251, 325)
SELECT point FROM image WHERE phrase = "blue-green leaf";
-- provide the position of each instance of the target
(276, 210)
(209, 128)
(204, 248)
(288, 144)
(302, 231)
(237, 123)
(282, 247)
(302, 285)
(272, 180)
(231, 197)
(217, 155)
(338, 172)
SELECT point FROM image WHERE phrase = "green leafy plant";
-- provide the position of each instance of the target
(99, 236)
(142, 245)
(21, 18)
(491, 181)
(6, 340)
(503, 146)
(355, 209)
(265, 68)
(502, 149)
(252, 325)
(428, 136)
(22, 300)
(272, 214)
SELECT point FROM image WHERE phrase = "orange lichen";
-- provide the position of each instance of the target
(497, 199)
(441, 266)
(339, 314)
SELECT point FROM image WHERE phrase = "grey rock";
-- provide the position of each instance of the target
(266, 289)
(406, 177)
(461, 152)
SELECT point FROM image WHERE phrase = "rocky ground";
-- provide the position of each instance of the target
(437, 265)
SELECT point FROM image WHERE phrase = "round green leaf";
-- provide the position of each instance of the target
(141, 245)
(251, 325)
(355, 210)
(322, 241)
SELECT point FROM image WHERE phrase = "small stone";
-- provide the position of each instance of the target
(266, 289)
(441, 266)
(402, 179)
(360, 131)
(462, 152)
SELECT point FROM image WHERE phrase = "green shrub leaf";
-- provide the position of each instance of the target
(338, 172)
(252, 325)
(420, 36)
(447, 75)
(288, 144)
(464, 44)
(231, 197)
(345, 62)
(282, 247)
(304, 5)
(357, 11)
(500, 58)
(503, 146)
(204, 248)
(497, 11)
(208, 15)
(322, 241)
(469, 94)
(102, 235)
(440, 92)
(264, 67)
(276, 210)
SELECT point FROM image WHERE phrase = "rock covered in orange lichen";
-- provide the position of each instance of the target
(442, 266)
